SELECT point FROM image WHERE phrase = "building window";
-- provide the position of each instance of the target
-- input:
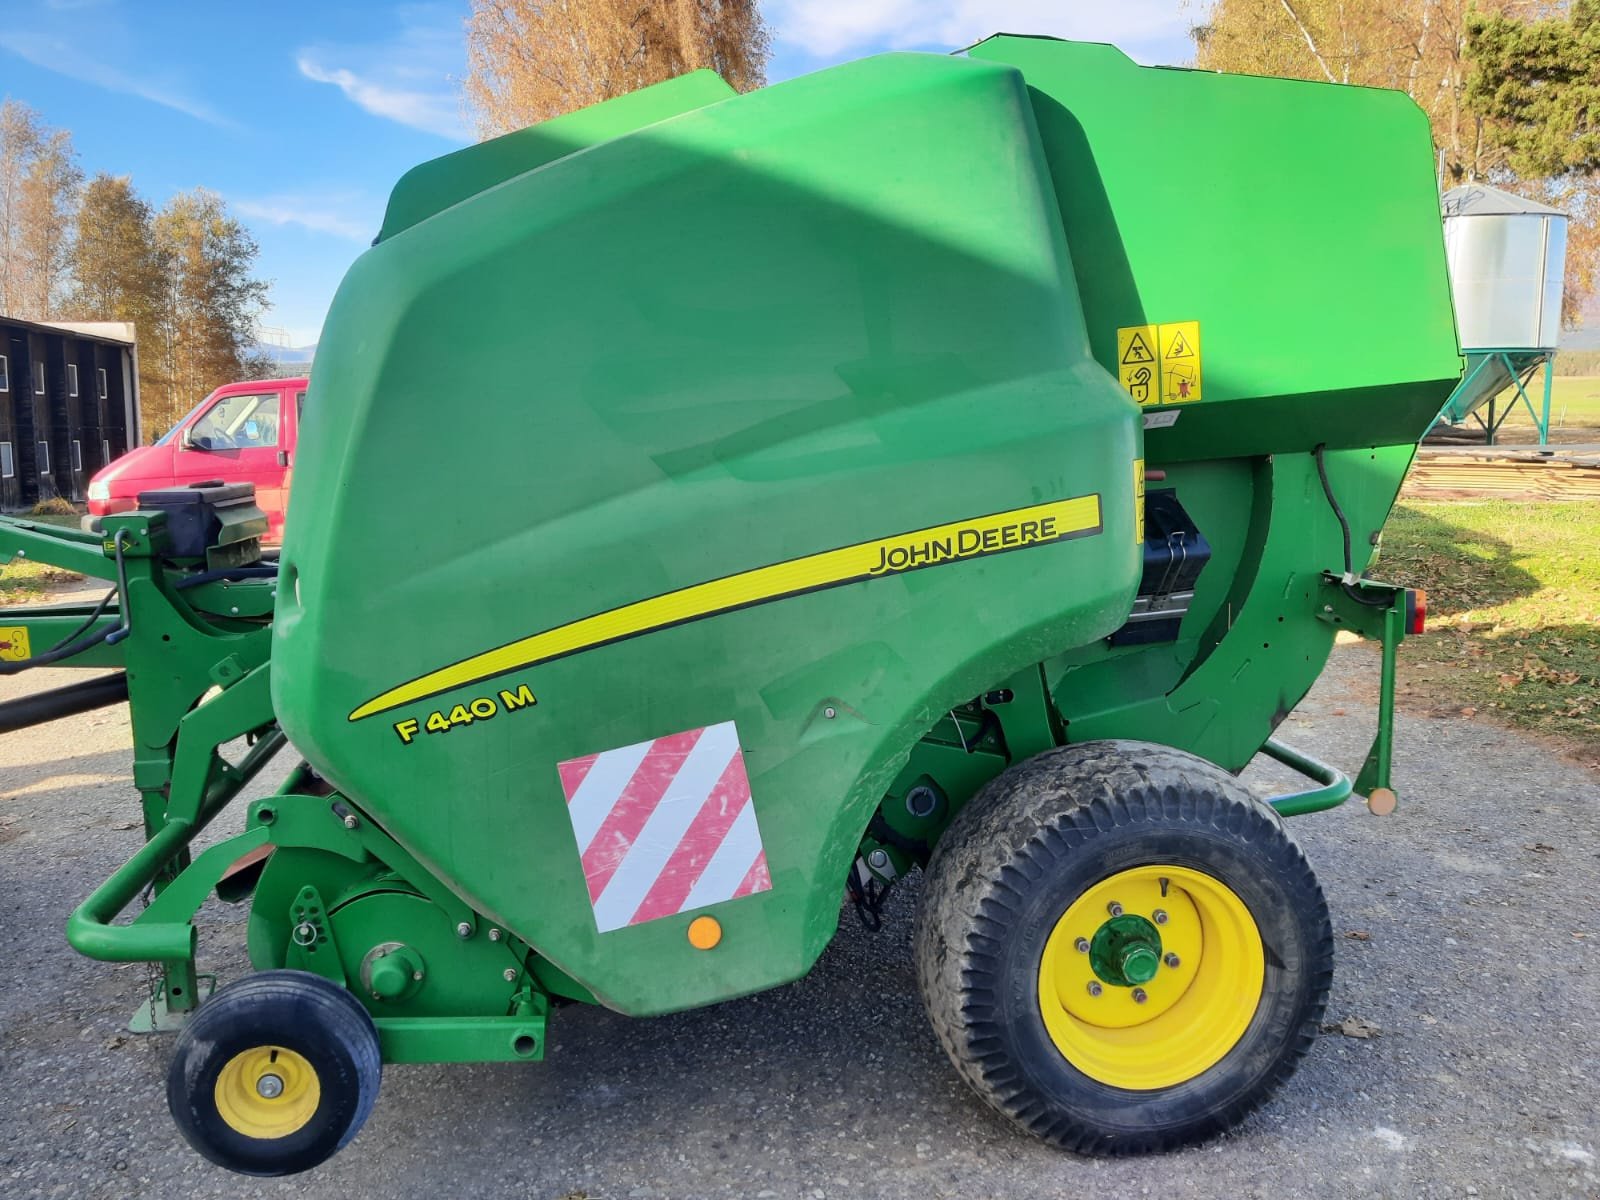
(105, 452)
(38, 378)
(72, 379)
(8, 462)
(77, 455)
(100, 374)
(5, 380)
(43, 458)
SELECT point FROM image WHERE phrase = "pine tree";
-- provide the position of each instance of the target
(529, 60)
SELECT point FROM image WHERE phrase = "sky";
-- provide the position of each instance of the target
(303, 113)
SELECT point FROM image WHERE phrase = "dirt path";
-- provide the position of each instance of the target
(1469, 939)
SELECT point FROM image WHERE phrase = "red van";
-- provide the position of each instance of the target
(241, 433)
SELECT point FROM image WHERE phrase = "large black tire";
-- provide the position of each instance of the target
(312, 1025)
(1037, 838)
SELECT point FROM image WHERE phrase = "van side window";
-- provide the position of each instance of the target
(238, 423)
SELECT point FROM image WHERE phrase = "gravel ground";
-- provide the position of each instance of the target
(1469, 941)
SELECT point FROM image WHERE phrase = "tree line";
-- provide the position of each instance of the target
(1511, 88)
(73, 249)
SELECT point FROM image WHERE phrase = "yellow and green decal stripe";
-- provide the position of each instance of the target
(996, 533)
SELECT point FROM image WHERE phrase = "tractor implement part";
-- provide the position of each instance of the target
(807, 541)
(1335, 790)
(65, 701)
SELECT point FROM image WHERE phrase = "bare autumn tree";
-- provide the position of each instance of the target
(39, 180)
(530, 60)
(209, 307)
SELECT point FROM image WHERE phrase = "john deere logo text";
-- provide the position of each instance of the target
(964, 543)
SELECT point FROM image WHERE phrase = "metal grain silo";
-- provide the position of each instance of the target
(1507, 260)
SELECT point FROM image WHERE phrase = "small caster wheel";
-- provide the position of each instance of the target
(275, 1073)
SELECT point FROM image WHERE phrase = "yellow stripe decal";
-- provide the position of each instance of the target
(1036, 525)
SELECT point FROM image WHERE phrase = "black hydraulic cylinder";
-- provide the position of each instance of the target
(59, 702)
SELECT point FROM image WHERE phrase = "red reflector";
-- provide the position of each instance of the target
(1416, 610)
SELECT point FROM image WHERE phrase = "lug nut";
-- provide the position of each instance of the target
(1171, 960)
(1081, 945)
(1159, 916)
(269, 1087)
(1114, 909)
(1138, 996)
(1094, 987)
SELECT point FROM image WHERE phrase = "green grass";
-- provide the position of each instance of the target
(27, 582)
(23, 582)
(1513, 608)
(1574, 410)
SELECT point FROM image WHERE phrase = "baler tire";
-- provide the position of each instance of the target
(316, 1039)
(1051, 831)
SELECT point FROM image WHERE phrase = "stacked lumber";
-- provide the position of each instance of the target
(1506, 472)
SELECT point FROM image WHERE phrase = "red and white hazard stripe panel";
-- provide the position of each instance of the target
(665, 826)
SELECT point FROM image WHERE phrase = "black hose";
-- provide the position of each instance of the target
(76, 643)
(73, 643)
(1344, 528)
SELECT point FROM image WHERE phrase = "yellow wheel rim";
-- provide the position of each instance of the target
(267, 1092)
(1196, 1006)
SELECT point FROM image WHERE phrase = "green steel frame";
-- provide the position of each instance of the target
(181, 643)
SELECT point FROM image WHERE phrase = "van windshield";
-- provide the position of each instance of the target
(184, 420)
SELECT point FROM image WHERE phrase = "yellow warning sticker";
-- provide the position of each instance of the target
(1138, 501)
(14, 643)
(1137, 366)
(1180, 362)
(1160, 364)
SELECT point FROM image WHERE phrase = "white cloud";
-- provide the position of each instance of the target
(322, 215)
(406, 78)
(826, 28)
(431, 112)
(56, 54)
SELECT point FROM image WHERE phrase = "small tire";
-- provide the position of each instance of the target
(1013, 992)
(275, 1073)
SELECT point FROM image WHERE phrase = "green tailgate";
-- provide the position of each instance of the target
(1296, 223)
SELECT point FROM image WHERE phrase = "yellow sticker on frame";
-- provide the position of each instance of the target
(14, 643)
(1180, 362)
(1137, 366)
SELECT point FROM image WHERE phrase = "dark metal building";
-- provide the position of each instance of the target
(69, 404)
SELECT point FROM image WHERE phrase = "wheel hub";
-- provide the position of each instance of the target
(1126, 951)
(267, 1092)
